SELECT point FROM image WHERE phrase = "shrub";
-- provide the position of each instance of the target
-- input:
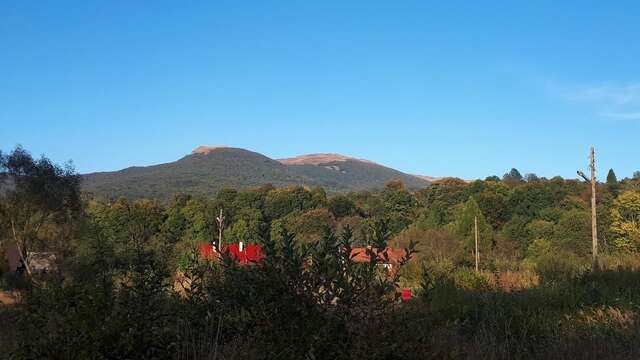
(560, 266)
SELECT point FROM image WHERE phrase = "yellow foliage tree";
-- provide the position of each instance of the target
(625, 221)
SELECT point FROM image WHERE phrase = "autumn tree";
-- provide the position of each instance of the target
(625, 221)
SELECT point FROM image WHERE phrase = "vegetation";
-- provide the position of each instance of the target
(131, 282)
(203, 174)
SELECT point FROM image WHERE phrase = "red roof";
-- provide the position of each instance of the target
(394, 255)
(207, 251)
(250, 253)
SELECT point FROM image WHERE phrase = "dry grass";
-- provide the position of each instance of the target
(516, 280)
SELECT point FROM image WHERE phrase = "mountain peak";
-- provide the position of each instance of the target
(318, 159)
(207, 149)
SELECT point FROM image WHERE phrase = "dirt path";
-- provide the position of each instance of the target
(9, 297)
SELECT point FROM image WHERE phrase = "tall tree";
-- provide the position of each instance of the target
(513, 174)
(341, 206)
(465, 226)
(513, 177)
(36, 193)
(611, 177)
(612, 182)
(531, 177)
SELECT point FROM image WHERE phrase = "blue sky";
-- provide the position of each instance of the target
(456, 88)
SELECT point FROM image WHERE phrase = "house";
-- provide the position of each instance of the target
(244, 254)
(389, 258)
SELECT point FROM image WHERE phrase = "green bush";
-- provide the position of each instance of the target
(560, 266)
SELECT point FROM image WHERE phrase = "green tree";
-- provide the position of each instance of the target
(319, 196)
(531, 177)
(399, 206)
(281, 202)
(311, 225)
(625, 221)
(36, 193)
(341, 206)
(573, 232)
(516, 230)
(530, 199)
(612, 179)
(123, 222)
(201, 221)
(444, 195)
(248, 227)
(540, 229)
(513, 177)
(175, 221)
(612, 182)
(494, 207)
(465, 227)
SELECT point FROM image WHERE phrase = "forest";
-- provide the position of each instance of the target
(129, 281)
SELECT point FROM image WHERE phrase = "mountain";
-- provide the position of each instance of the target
(210, 168)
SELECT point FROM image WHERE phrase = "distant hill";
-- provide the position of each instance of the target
(210, 168)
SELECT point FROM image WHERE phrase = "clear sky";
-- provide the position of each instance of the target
(459, 88)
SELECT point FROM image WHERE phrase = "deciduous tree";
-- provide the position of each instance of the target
(36, 193)
(625, 221)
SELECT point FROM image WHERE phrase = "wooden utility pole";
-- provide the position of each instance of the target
(594, 208)
(594, 211)
(220, 220)
(477, 253)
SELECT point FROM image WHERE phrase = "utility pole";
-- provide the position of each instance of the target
(477, 253)
(594, 210)
(220, 219)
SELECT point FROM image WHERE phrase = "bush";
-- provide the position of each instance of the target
(560, 266)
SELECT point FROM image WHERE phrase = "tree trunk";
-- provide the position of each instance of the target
(21, 249)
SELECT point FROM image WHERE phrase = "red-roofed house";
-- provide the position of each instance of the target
(390, 258)
(244, 254)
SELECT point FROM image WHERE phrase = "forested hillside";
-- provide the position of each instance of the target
(208, 170)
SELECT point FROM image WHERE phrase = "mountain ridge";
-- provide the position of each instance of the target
(207, 169)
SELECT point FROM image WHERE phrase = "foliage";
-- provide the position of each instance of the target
(465, 227)
(341, 206)
(625, 217)
(41, 193)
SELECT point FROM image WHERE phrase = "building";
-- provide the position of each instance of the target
(244, 254)
(389, 258)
